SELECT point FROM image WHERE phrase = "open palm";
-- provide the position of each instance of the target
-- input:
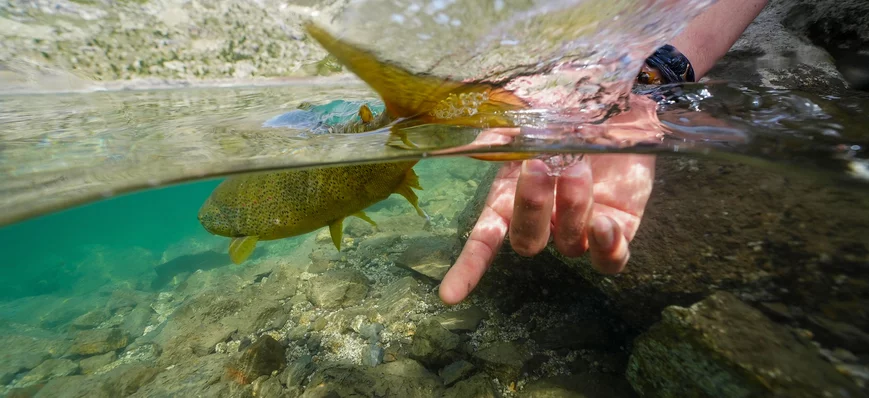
(594, 206)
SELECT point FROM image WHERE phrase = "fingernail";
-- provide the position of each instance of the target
(603, 231)
(577, 170)
(534, 167)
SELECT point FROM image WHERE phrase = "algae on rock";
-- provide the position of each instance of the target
(721, 347)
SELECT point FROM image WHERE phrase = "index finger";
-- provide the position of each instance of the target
(485, 239)
(483, 244)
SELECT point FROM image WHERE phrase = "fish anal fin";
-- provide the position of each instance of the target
(336, 230)
(363, 216)
(411, 181)
(241, 248)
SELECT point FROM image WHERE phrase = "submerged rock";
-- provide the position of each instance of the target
(145, 353)
(298, 371)
(478, 386)
(504, 360)
(398, 299)
(456, 371)
(721, 347)
(433, 344)
(579, 386)
(120, 382)
(92, 364)
(430, 256)
(466, 320)
(323, 258)
(49, 369)
(262, 358)
(193, 376)
(89, 320)
(402, 378)
(98, 341)
(838, 334)
(19, 353)
(800, 44)
(267, 387)
(372, 354)
(137, 320)
(228, 311)
(339, 288)
(24, 392)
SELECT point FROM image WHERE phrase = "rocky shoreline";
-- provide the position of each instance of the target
(74, 44)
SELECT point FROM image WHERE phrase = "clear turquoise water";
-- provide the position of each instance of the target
(50, 252)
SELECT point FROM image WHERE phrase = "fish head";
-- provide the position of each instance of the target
(214, 219)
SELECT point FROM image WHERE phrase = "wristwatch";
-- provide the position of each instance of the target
(666, 65)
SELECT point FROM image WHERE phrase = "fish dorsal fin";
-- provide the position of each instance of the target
(409, 95)
(336, 230)
(241, 248)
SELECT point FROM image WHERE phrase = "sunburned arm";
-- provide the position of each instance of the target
(709, 36)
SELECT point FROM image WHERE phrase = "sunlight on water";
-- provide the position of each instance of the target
(575, 59)
(106, 143)
(57, 151)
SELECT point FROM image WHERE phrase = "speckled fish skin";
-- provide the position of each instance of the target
(278, 205)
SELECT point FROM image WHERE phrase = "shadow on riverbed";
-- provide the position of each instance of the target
(190, 263)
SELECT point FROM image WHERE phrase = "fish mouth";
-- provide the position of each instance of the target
(211, 218)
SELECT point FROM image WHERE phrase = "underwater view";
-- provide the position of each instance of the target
(447, 198)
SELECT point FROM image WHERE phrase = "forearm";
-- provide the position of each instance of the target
(709, 36)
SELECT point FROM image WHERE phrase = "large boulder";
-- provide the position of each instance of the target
(721, 347)
(803, 44)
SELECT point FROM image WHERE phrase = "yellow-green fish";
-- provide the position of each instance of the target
(277, 205)
(282, 204)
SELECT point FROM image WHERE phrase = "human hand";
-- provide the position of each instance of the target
(594, 205)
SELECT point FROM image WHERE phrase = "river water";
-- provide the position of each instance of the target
(755, 231)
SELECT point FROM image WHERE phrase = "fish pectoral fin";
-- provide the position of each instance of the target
(363, 216)
(241, 248)
(398, 139)
(336, 229)
(411, 181)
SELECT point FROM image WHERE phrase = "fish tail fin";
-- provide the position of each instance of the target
(336, 230)
(406, 94)
(241, 248)
(411, 181)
